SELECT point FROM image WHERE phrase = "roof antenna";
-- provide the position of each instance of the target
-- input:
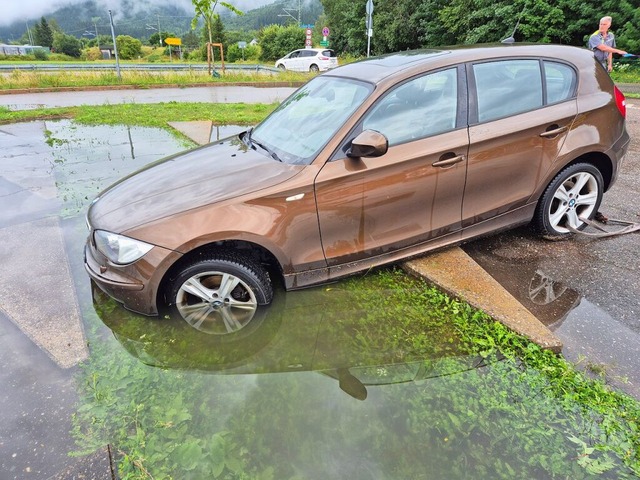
(510, 38)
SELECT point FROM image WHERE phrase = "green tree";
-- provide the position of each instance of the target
(154, 39)
(128, 47)
(190, 40)
(217, 30)
(206, 10)
(67, 44)
(403, 24)
(276, 41)
(43, 35)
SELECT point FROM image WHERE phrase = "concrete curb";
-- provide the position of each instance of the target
(459, 275)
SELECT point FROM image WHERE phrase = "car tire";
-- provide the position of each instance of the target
(219, 294)
(314, 68)
(574, 193)
(282, 67)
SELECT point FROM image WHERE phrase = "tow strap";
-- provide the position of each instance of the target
(625, 227)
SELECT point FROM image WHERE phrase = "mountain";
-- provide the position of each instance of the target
(84, 18)
(280, 12)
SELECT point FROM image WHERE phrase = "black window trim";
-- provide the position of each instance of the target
(472, 90)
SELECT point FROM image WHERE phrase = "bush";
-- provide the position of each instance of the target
(235, 53)
(67, 44)
(196, 55)
(62, 57)
(41, 54)
(276, 41)
(128, 47)
(92, 54)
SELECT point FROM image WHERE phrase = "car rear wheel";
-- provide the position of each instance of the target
(314, 68)
(220, 294)
(572, 196)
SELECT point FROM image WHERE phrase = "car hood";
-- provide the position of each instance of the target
(212, 173)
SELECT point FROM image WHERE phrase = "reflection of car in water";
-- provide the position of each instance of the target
(547, 298)
(296, 333)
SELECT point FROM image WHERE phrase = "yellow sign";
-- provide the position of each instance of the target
(173, 41)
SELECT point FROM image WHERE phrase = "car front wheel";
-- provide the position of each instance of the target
(572, 196)
(220, 294)
(282, 67)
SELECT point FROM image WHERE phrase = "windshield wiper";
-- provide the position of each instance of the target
(253, 141)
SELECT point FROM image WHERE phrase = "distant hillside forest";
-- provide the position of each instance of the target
(84, 19)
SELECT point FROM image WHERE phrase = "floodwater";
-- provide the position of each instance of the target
(356, 379)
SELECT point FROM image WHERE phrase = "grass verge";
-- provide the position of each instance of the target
(146, 115)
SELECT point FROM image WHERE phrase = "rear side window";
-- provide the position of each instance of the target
(560, 80)
(328, 53)
(308, 53)
(507, 87)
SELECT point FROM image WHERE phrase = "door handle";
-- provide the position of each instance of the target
(447, 162)
(553, 130)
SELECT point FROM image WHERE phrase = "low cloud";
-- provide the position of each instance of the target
(31, 10)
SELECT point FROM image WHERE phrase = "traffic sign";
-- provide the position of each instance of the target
(324, 43)
(369, 7)
(325, 32)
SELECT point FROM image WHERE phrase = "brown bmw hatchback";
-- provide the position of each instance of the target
(367, 164)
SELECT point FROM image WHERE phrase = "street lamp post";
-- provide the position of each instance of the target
(115, 47)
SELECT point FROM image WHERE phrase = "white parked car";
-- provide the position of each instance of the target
(308, 60)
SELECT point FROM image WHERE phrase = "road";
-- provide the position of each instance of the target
(214, 94)
(587, 291)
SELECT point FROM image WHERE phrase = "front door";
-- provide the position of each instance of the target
(413, 193)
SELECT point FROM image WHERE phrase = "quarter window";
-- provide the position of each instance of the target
(560, 80)
(507, 87)
(416, 109)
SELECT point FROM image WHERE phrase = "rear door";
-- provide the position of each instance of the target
(521, 111)
(413, 193)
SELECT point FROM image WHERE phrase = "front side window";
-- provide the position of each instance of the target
(417, 109)
(507, 87)
(305, 121)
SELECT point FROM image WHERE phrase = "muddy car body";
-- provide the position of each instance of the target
(367, 164)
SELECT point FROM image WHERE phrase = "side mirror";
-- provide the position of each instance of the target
(368, 144)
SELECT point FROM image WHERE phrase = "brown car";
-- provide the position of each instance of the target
(367, 164)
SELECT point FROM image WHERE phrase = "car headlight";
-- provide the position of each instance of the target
(118, 248)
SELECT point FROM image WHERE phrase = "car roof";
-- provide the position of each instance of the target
(377, 69)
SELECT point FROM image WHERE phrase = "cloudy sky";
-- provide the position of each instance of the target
(22, 10)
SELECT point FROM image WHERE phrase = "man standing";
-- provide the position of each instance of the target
(603, 44)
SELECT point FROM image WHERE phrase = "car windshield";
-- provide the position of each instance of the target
(305, 121)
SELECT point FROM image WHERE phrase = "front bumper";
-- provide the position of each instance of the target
(136, 285)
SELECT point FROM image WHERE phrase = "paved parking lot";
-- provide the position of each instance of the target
(586, 291)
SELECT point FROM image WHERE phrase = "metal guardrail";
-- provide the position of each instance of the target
(172, 67)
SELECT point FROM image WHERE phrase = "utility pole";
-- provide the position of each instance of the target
(288, 13)
(95, 21)
(159, 33)
(29, 34)
(115, 47)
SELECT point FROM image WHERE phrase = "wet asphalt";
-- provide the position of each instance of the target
(587, 292)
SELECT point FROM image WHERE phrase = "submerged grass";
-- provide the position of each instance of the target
(524, 413)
